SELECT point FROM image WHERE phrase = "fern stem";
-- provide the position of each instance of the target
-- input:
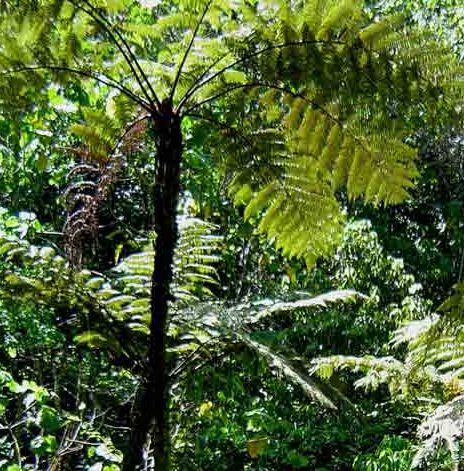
(152, 414)
(197, 87)
(189, 47)
(201, 77)
(128, 55)
(100, 77)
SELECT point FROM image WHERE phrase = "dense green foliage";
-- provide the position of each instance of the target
(314, 316)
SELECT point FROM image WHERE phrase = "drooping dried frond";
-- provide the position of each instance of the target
(104, 152)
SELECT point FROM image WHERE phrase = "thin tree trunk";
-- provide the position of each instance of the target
(151, 432)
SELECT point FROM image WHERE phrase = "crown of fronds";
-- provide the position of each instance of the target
(328, 90)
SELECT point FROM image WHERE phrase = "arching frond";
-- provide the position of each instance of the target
(122, 298)
(298, 210)
(210, 326)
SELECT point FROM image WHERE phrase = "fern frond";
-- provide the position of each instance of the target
(255, 314)
(297, 209)
(210, 325)
(285, 367)
(194, 266)
(443, 427)
(376, 371)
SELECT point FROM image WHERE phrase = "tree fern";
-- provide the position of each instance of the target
(123, 297)
(351, 72)
(211, 61)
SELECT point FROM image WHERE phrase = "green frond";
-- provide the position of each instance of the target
(413, 331)
(314, 12)
(340, 15)
(123, 297)
(341, 166)
(376, 371)
(437, 340)
(375, 33)
(454, 305)
(293, 118)
(208, 324)
(256, 314)
(352, 154)
(443, 427)
(285, 367)
(299, 212)
(194, 266)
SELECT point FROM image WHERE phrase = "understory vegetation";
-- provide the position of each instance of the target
(231, 235)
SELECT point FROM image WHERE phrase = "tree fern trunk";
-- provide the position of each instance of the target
(151, 430)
